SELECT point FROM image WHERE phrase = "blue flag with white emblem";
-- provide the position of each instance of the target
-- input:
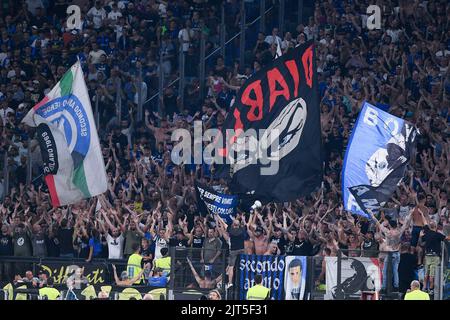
(376, 158)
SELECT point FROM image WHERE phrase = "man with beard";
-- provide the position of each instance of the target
(132, 236)
(300, 244)
(22, 245)
(114, 238)
(236, 238)
(279, 239)
(38, 241)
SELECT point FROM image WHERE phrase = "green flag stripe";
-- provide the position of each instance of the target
(65, 83)
(79, 180)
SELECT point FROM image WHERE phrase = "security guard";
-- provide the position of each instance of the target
(48, 291)
(258, 291)
(163, 262)
(134, 266)
(415, 293)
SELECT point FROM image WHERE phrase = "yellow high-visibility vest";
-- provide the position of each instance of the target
(21, 296)
(134, 267)
(163, 263)
(257, 292)
(417, 295)
(51, 293)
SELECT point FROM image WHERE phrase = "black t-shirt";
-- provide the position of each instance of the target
(6, 245)
(237, 238)
(83, 245)
(369, 246)
(146, 252)
(197, 242)
(65, 240)
(174, 242)
(302, 248)
(281, 243)
(433, 241)
(53, 247)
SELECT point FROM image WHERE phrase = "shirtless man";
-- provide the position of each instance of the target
(162, 133)
(417, 219)
(260, 240)
(125, 281)
(206, 283)
(392, 235)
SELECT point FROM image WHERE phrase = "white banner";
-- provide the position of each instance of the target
(357, 275)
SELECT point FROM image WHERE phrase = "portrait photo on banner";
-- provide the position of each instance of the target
(295, 283)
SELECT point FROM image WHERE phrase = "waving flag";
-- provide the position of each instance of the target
(73, 163)
(280, 101)
(375, 162)
(222, 204)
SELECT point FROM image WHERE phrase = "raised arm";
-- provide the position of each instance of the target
(194, 272)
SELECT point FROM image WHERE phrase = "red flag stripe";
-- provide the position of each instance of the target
(52, 189)
(42, 102)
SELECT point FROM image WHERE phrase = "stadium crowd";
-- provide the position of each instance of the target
(151, 204)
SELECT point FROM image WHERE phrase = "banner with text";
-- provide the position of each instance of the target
(209, 199)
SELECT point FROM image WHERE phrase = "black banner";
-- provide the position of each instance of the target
(282, 99)
(96, 273)
(48, 149)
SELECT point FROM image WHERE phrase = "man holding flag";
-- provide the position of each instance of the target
(70, 147)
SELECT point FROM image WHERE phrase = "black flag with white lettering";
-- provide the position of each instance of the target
(274, 145)
(48, 149)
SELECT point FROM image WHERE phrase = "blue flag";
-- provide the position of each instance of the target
(209, 200)
(375, 161)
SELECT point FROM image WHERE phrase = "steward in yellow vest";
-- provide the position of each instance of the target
(164, 262)
(258, 291)
(134, 266)
(416, 293)
(48, 291)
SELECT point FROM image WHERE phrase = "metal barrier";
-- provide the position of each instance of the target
(98, 273)
(192, 277)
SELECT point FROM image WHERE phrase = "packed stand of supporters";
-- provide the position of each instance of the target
(151, 205)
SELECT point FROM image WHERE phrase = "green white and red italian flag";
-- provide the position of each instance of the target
(72, 160)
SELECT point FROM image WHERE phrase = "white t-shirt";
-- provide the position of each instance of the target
(96, 55)
(394, 34)
(97, 16)
(271, 40)
(114, 15)
(4, 114)
(159, 244)
(115, 247)
(187, 37)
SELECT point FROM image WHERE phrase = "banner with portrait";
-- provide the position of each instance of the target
(285, 276)
(295, 281)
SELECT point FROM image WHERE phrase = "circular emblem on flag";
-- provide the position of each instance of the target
(69, 115)
(288, 128)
